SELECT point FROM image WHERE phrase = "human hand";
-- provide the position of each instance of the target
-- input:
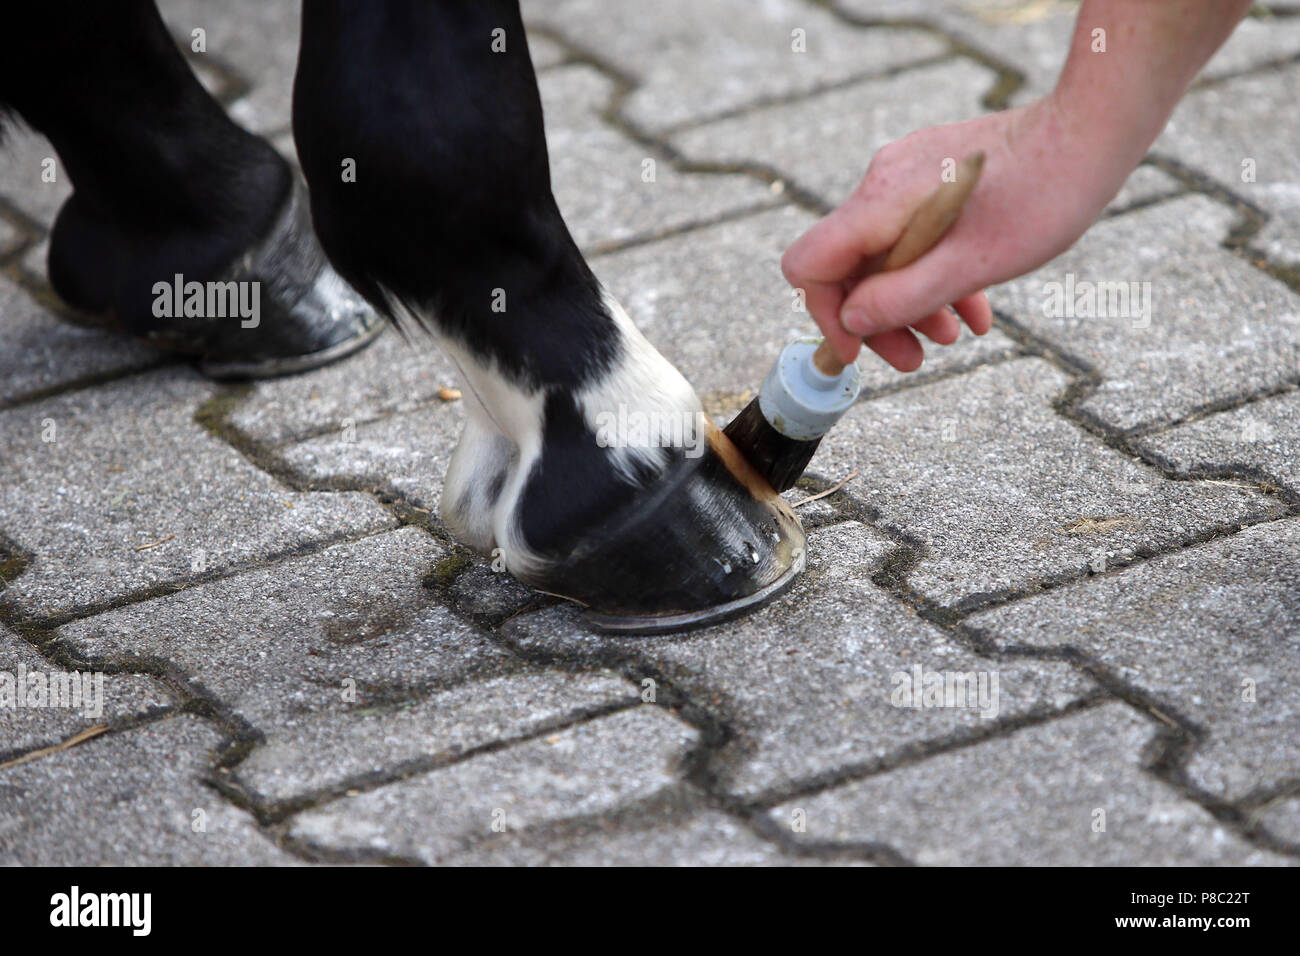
(1040, 190)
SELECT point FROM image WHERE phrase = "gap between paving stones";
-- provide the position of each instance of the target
(40, 293)
(891, 577)
(1269, 66)
(714, 725)
(214, 417)
(19, 621)
(116, 726)
(623, 87)
(1176, 742)
(898, 566)
(643, 811)
(271, 812)
(1252, 217)
(1009, 78)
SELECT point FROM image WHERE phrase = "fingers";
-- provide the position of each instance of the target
(891, 300)
(826, 258)
(976, 311)
(899, 347)
(942, 327)
(846, 346)
(823, 301)
(834, 248)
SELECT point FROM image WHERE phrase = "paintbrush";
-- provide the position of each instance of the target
(808, 388)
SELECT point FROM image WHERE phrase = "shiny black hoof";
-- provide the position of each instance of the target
(708, 542)
(277, 308)
(309, 315)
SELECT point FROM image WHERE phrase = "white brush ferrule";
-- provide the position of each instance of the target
(799, 400)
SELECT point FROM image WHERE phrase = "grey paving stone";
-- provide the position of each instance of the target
(694, 60)
(1146, 184)
(1279, 240)
(1282, 819)
(323, 750)
(407, 452)
(10, 238)
(392, 375)
(1220, 127)
(1216, 328)
(809, 685)
(1031, 38)
(56, 703)
(824, 143)
(1031, 798)
(599, 174)
(34, 261)
(128, 798)
(701, 838)
(484, 594)
(545, 52)
(1003, 493)
(1201, 630)
(715, 303)
(279, 644)
(1258, 41)
(131, 492)
(39, 351)
(594, 767)
(22, 153)
(1262, 437)
(256, 38)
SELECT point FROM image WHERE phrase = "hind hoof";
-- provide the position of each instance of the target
(301, 313)
(708, 542)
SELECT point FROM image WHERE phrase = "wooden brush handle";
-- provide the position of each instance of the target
(932, 218)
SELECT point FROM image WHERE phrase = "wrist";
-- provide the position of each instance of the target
(1085, 155)
(1131, 61)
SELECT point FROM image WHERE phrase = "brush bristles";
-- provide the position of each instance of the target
(779, 459)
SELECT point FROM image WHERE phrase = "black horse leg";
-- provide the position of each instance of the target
(419, 128)
(165, 184)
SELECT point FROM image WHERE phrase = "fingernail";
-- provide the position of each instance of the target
(855, 321)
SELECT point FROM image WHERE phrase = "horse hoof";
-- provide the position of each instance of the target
(277, 308)
(310, 315)
(708, 542)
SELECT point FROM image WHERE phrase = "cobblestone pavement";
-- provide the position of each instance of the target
(1096, 520)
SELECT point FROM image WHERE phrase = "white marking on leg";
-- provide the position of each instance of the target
(516, 415)
(646, 385)
(482, 461)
